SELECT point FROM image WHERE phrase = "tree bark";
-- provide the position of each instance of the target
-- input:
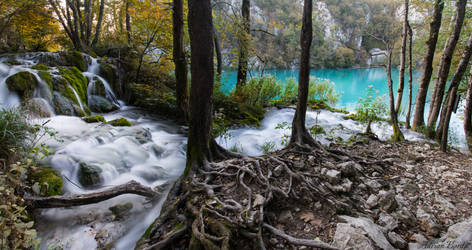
(418, 117)
(468, 115)
(131, 187)
(397, 133)
(451, 95)
(244, 40)
(410, 75)
(219, 60)
(128, 21)
(300, 135)
(401, 77)
(99, 23)
(445, 65)
(179, 60)
(88, 13)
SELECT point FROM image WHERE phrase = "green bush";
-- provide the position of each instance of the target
(258, 91)
(371, 108)
(322, 90)
(289, 93)
(14, 132)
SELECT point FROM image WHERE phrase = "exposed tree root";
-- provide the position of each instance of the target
(131, 187)
(224, 202)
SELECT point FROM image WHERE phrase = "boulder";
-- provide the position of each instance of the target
(39, 107)
(428, 222)
(348, 237)
(62, 105)
(387, 221)
(93, 119)
(121, 211)
(387, 201)
(23, 83)
(373, 230)
(120, 122)
(101, 104)
(397, 240)
(89, 175)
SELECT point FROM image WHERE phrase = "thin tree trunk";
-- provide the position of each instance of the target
(88, 11)
(418, 117)
(410, 75)
(128, 21)
(244, 40)
(179, 60)
(219, 60)
(445, 65)
(468, 114)
(75, 24)
(99, 23)
(397, 133)
(300, 135)
(452, 91)
(401, 77)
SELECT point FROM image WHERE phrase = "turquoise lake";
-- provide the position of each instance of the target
(350, 83)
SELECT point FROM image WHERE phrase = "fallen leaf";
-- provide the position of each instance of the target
(307, 216)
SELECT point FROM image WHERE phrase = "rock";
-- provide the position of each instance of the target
(428, 222)
(387, 201)
(23, 83)
(89, 175)
(405, 216)
(62, 105)
(333, 176)
(121, 211)
(120, 122)
(158, 151)
(373, 230)
(39, 107)
(350, 168)
(372, 201)
(92, 119)
(397, 240)
(418, 238)
(151, 173)
(446, 205)
(373, 184)
(285, 217)
(387, 221)
(348, 237)
(278, 171)
(101, 104)
(458, 229)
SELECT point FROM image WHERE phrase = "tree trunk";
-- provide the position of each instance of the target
(418, 117)
(410, 75)
(397, 133)
(300, 135)
(401, 77)
(179, 60)
(128, 21)
(131, 187)
(452, 92)
(445, 65)
(244, 40)
(88, 13)
(99, 23)
(468, 115)
(219, 60)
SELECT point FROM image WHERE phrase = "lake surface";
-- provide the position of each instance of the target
(350, 83)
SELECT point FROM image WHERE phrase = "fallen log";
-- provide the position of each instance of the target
(131, 187)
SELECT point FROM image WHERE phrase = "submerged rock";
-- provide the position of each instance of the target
(100, 104)
(121, 211)
(95, 118)
(39, 107)
(89, 175)
(23, 83)
(120, 122)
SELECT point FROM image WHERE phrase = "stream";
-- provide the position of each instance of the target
(151, 152)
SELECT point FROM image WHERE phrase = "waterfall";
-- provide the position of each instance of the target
(92, 75)
(78, 98)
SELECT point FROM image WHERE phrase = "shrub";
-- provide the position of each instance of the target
(322, 90)
(289, 93)
(370, 108)
(258, 91)
(14, 130)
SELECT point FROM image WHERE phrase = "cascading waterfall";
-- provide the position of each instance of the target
(92, 76)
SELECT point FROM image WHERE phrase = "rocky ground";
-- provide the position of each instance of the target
(364, 195)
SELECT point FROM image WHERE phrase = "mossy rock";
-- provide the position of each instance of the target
(98, 87)
(120, 122)
(95, 118)
(40, 67)
(76, 80)
(107, 71)
(101, 105)
(23, 83)
(49, 180)
(89, 175)
(75, 58)
(46, 78)
(12, 62)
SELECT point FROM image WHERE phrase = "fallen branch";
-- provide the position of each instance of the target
(131, 187)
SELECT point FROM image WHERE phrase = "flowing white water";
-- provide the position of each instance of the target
(77, 98)
(92, 75)
(150, 152)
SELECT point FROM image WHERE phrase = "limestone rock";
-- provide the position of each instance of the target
(387, 221)
(89, 175)
(397, 240)
(373, 230)
(387, 201)
(348, 237)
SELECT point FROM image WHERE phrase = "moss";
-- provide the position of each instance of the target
(93, 54)
(429, 132)
(23, 83)
(46, 78)
(95, 118)
(77, 81)
(352, 116)
(40, 67)
(49, 179)
(120, 122)
(106, 71)
(12, 62)
(75, 58)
